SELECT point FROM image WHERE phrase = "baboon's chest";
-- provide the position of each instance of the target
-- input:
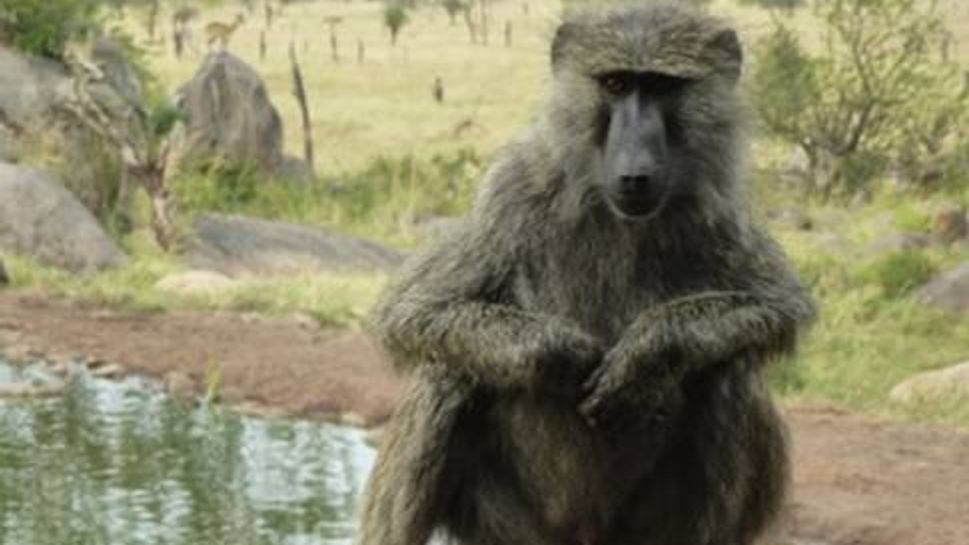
(603, 281)
(601, 288)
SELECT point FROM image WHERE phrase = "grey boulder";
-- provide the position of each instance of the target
(42, 219)
(238, 246)
(948, 291)
(229, 119)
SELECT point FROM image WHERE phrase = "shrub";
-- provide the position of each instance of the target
(898, 273)
(395, 17)
(880, 94)
(44, 27)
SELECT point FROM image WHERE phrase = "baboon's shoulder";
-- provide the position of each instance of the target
(516, 183)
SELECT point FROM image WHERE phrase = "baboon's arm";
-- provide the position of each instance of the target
(760, 320)
(453, 307)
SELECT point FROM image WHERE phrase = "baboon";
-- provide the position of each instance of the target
(587, 349)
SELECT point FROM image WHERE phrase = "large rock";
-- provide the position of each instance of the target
(229, 119)
(35, 123)
(40, 218)
(948, 291)
(236, 245)
(932, 385)
(31, 87)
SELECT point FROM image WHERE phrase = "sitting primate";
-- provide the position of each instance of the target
(588, 348)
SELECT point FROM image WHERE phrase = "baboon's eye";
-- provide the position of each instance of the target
(615, 84)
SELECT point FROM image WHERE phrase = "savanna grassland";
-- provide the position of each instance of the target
(389, 158)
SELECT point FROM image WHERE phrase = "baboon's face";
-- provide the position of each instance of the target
(639, 136)
(651, 94)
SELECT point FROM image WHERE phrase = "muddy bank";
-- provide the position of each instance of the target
(278, 363)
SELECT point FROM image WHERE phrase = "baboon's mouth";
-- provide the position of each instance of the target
(635, 206)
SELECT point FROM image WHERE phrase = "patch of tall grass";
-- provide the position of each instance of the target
(387, 200)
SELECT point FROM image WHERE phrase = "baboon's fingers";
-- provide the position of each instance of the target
(592, 382)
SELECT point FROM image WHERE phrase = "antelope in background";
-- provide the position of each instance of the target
(222, 32)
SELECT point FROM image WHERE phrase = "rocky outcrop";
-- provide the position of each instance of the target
(236, 245)
(40, 218)
(31, 88)
(948, 291)
(231, 121)
(35, 122)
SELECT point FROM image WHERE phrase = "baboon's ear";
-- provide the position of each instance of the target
(728, 53)
(564, 34)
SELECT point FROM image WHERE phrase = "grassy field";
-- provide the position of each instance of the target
(384, 106)
(871, 333)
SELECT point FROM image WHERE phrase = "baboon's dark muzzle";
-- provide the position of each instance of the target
(636, 149)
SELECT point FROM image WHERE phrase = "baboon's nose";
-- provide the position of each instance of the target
(631, 184)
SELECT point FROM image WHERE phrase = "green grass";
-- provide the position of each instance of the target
(863, 345)
(387, 199)
(872, 333)
(332, 300)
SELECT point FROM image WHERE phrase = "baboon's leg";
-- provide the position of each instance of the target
(413, 475)
(722, 481)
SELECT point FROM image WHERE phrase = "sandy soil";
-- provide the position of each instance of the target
(857, 480)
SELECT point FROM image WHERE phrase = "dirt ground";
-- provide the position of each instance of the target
(857, 480)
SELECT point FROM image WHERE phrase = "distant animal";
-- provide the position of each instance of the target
(587, 348)
(438, 90)
(222, 32)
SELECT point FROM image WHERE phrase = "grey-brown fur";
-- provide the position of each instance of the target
(580, 378)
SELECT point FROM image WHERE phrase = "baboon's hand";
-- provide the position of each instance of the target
(627, 387)
(564, 359)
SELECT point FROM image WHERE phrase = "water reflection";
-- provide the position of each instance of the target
(121, 463)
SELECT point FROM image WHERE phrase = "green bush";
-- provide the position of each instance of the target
(395, 17)
(44, 27)
(879, 94)
(911, 219)
(898, 273)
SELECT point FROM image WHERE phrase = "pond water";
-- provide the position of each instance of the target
(117, 463)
